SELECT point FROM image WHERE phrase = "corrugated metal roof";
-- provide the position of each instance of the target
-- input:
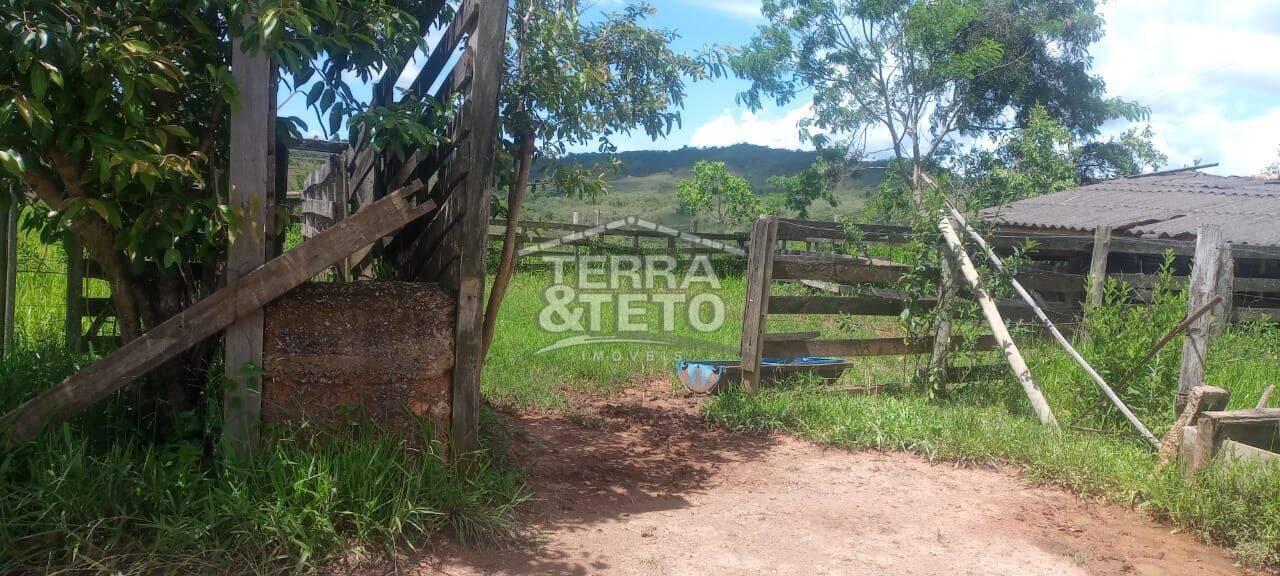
(1158, 206)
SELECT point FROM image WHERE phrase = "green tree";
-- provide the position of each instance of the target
(571, 81)
(802, 189)
(926, 71)
(1029, 162)
(716, 192)
(1273, 168)
(115, 118)
(1045, 157)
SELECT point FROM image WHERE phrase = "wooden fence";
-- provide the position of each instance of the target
(874, 296)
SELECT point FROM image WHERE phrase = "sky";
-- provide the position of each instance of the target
(1209, 72)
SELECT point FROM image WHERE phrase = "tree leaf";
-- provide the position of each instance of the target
(106, 210)
(39, 81)
(12, 161)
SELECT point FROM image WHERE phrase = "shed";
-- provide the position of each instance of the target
(1149, 215)
(1163, 205)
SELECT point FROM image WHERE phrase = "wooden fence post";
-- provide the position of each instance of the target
(252, 178)
(1223, 287)
(487, 44)
(8, 264)
(75, 294)
(755, 309)
(1204, 284)
(938, 359)
(1098, 265)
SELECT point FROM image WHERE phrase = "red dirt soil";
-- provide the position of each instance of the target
(642, 485)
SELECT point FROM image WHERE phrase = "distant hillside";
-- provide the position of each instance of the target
(755, 163)
(647, 184)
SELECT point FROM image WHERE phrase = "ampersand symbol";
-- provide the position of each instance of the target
(558, 298)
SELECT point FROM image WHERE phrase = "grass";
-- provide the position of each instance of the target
(90, 496)
(93, 496)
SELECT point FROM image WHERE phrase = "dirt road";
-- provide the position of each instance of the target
(642, 485)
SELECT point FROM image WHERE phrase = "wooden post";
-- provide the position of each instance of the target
(755, 309)
(1223, 289)
(998, 329)
(75, 294)
(671, 247)
(1204, 282)
(1098, 265)
(341, 203)
(252, 179)
(8, 265)
(487, 45)
(938, 359)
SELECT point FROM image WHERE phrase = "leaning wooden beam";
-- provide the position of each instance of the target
(1057, 335)
(1179, 327)
(210, 315)
(998, 329)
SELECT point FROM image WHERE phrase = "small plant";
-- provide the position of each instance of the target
(1119, 335)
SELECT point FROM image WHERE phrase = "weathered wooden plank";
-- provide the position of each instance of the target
(867, 347)
(1254, 314)
(854, 305)
(790, 336)
(252, 180)
(835, 268)
(1223, 288)
(756, 307)
(1098, 265)
(1204, 282)
(487, 44)
(819, 230)
(1259, 428)
(241, 298)
(318, 206)
(464, 22)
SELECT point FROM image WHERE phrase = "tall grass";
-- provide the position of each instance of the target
(93, 496)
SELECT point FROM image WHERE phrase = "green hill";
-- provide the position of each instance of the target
(646, 185)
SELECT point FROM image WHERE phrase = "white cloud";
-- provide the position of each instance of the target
(779, 132)
(1208, 72)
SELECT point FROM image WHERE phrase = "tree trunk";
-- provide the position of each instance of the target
(507, 264)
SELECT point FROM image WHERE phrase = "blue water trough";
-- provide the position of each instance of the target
(706, 376)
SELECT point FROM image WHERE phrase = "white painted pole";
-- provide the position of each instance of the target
(1066, 344)
(998, 329)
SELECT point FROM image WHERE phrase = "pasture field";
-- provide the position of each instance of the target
(95, 495)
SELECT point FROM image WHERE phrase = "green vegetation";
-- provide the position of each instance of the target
(646, 183)
(99, 495)
(718, 195)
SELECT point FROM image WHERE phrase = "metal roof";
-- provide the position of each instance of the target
(1158, 206)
